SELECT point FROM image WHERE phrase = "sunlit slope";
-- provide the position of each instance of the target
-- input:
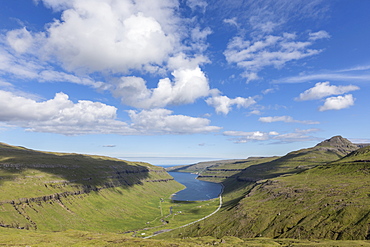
(202, 166)
(328, 201)
(11, 237)
(223, 172)
(257, 168)
(54, 191)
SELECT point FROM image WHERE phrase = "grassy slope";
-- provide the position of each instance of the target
(201, 166)
(250, 209)
(11, 237)
(54, 191)
(327, 201)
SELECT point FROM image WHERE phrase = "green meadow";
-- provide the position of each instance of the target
(311, 197)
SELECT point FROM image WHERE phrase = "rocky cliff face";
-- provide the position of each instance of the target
(339, 143)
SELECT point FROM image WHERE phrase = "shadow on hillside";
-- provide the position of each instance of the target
(68, 169)
(247, 179)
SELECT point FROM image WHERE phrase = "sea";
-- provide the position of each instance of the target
(196, 190)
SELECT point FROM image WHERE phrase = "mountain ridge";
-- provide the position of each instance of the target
(314, 193)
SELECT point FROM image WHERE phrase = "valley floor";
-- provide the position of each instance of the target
(13, 237)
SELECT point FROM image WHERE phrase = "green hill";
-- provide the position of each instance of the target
(56, 191)
(201, 166)
(257, 168)
(308, 197)
(307, 194)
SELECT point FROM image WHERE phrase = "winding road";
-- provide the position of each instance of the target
(205, 217)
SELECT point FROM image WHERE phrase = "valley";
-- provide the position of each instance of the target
(316, 196)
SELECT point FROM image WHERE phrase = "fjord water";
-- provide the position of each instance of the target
(196, 190)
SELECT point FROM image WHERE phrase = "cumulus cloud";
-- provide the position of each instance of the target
(160, 121)
(187, 86)
(324, 89)
(223, 104)
(57, 115)
(114, 39)
(116, 36)
(338, 103)
(61, 115)
(296, 136)
(286, 119)
(269, 50)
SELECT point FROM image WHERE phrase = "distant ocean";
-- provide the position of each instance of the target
(166, 166)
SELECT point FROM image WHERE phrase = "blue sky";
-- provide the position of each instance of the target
(183, 81)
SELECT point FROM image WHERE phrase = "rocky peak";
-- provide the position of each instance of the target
(340, 143)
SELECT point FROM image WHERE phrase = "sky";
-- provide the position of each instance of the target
(182, 81)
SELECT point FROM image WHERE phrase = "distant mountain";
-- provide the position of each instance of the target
(315, 193)
(338, 144)
(255, 169)
(361, 155)
(201, 166)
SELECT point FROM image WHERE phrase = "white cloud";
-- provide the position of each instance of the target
(324, 89)
(18, 66)
(255, 112)
(223, 104)
(160, 121)
(116, 36)
(356, 74)
(194, 4)
(111, 38)
(243, 137)
(20, 39)
(296, 136)
(338, 103)
(5, 84)
(270, 50)
(325, 76)
(28, 67)
(231, 21)
(60, 115)
(199, 37)
(265, 26)
(269, 90)
(96, 36)
(187, 86)
(319, 35)
(286, 119)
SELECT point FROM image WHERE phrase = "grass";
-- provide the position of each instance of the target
(294, 200)
(50, 193)
(295, 197)
(55, 191)
(12, 237)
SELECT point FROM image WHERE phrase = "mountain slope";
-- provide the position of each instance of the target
(201, 166)
(57, 191)
(328, 201)
(254, 169)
